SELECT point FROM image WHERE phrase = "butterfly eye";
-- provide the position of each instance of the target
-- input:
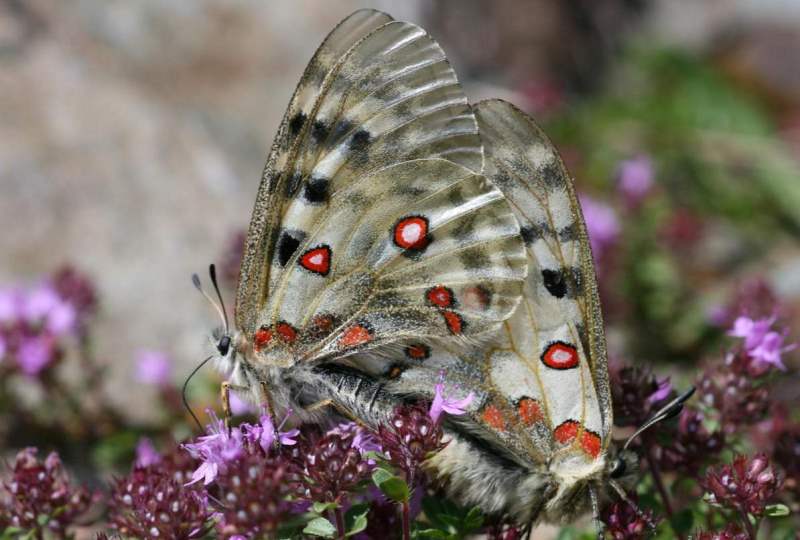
(617, 468)
(224, 345)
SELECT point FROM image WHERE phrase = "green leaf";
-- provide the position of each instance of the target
(473, 520)
(777, 510)
(392, 486)
(320, 527)
(432, 534)
(355, 519)
(682, 522)
(321, 507)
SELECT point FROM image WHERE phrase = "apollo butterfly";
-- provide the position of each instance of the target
(399, 232)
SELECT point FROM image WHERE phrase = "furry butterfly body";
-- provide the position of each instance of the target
(399, 233)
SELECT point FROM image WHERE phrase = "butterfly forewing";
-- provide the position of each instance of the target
(254, 272)
(376, 222)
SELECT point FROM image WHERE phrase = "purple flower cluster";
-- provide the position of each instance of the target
(222, 445)
(39, 497)
(154, 501)
(745, 486)
(34, 321)
(602, 226)
(624, 522)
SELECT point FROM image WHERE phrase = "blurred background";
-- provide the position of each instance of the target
(133, 135)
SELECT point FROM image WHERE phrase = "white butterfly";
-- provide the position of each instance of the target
(396, 235)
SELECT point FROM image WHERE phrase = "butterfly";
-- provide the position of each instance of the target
(371, 218)
(399, 232)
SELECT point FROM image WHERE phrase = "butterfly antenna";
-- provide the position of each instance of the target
(212, 273)
(186, 386)
(670, 410)
(220, 310)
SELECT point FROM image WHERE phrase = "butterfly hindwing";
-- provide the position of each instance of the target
(541, 389)
(372, 222)
(550, 377)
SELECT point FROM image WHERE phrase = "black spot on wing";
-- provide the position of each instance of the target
(533, 232)
(551, 175)
(554, 282)
(569, 233)
(296, 123)
(288, 243)
(563, 282)
(316, 191)
(320, 131)
(360, 141)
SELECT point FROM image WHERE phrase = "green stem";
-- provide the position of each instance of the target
(748, 525)
(655, 472)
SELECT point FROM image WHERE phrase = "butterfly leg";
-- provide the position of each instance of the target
(338, 407)
(598, 523)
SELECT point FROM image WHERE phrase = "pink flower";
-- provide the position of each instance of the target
(153, 367)
(635, 179)
(602, 225)
(146, 453)
(264, 433)
(449, 405)
(753, 331)
(770, 349)
(10, 305)
(762, 344)
(39, 302)
(35, 354)
(662, 392)
(214, 450)
(240, 406)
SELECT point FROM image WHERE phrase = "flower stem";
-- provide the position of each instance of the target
(406, 515)
(748, 525)
(652, 463)
(339, 515)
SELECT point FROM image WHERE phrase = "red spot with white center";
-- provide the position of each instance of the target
(262, 336)
(317, 260)
(286, 331)
(418, 351)
(560, 355)
(454, 322)
(355, 336)
(566, 432)
(411, 232)
(494, 418)
(529, 411)
(440, 296)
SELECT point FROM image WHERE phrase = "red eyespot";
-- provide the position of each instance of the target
(286, 331)
(418, 351)
(262, 336)
(440, 296)
(454, 322)
(317, 260)
(494, 418)
(560, 355)
(411, 232)
(566, 432)
(591, 444)
(355, 336)
(529, 411)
